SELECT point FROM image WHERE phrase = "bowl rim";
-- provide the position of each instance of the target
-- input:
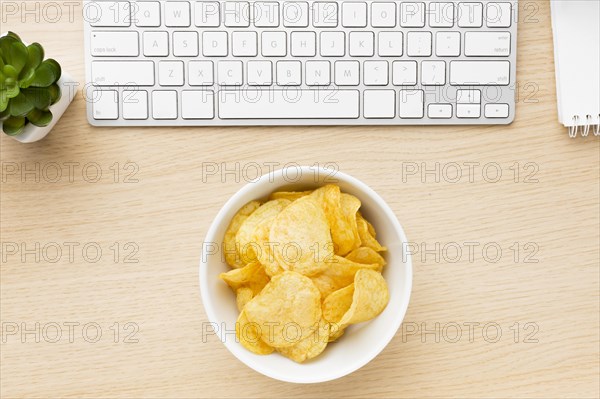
(377, 348)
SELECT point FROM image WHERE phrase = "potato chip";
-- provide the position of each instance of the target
(337, 304)
(370, 297)
(366, 238)
(361, 301)
(289, 195)
(341, 225)
(366, 255)
(310, 346)
(350, 205)
(232, 256)
(243, 295)
(252, 276)
(264, 251)
(301, 238)
(248, 334)
(338, 274)
(286, 309)
(243, 238)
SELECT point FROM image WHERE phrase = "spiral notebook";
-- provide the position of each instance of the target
(575, 26)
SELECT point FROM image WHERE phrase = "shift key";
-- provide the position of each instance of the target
(114, 44)
(123, 73)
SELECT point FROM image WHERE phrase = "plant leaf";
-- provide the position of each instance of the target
(4, 114)
(14, 52)
(26, 77)
(14, 125)
(39, 117)
(3, 101)
(55, 93)
(35, 57)
(10, 72)
(12, 89)
(14, 36)
(41, 98)
(20, 105)
(46, 74)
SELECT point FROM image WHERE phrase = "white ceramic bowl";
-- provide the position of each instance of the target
(361, 342)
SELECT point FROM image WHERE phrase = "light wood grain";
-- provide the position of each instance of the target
(167, 213)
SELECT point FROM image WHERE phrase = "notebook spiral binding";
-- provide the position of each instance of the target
(585, 129)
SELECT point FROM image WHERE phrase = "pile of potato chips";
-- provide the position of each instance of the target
(305, 266)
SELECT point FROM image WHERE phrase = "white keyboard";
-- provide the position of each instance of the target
(204, 63)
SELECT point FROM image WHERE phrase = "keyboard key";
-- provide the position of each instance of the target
(197, 104)
(135, 104)
(105, 104)
(318, 73)
(487, 44)
(156, 44)
(496, 110)
(470, 96)
(404, 73)
(468, 110)
(354, 14)
(123, 73)
(325, 15)
(303, 44)
(433, 73)
(389, 44)
(164, 104)
(332, 44)
(214, 44)
(289, 73)
(447, 44)
(146, 14)
(114, 44)
(260, 73)
(245, 44)
(379, 103)
(177, 14)
(108, 13)
(286, 104)
(412, 15)
(411, 104)
(207, 14)
(361, 44)
(347, 73)
(418, 44)
(375, 73)
(200, 73)
(441, 15)
(273, 44)
(237, 13)
(498, 15)
(470, 15)
(230, 73)
(439, 111)
(185, 44)
(485, 73)
(295, 14)
(266, 14)
(383, 15)
(170, 73)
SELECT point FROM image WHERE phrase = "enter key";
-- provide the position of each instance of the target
(487, 44)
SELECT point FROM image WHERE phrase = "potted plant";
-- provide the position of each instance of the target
(34, 92)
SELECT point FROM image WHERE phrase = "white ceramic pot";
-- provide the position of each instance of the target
(31, 133)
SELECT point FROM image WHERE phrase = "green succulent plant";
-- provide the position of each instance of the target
(27, 85)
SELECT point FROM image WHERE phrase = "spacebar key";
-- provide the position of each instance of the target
(288, 104)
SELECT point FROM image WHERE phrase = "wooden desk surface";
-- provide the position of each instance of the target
(155, 198)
